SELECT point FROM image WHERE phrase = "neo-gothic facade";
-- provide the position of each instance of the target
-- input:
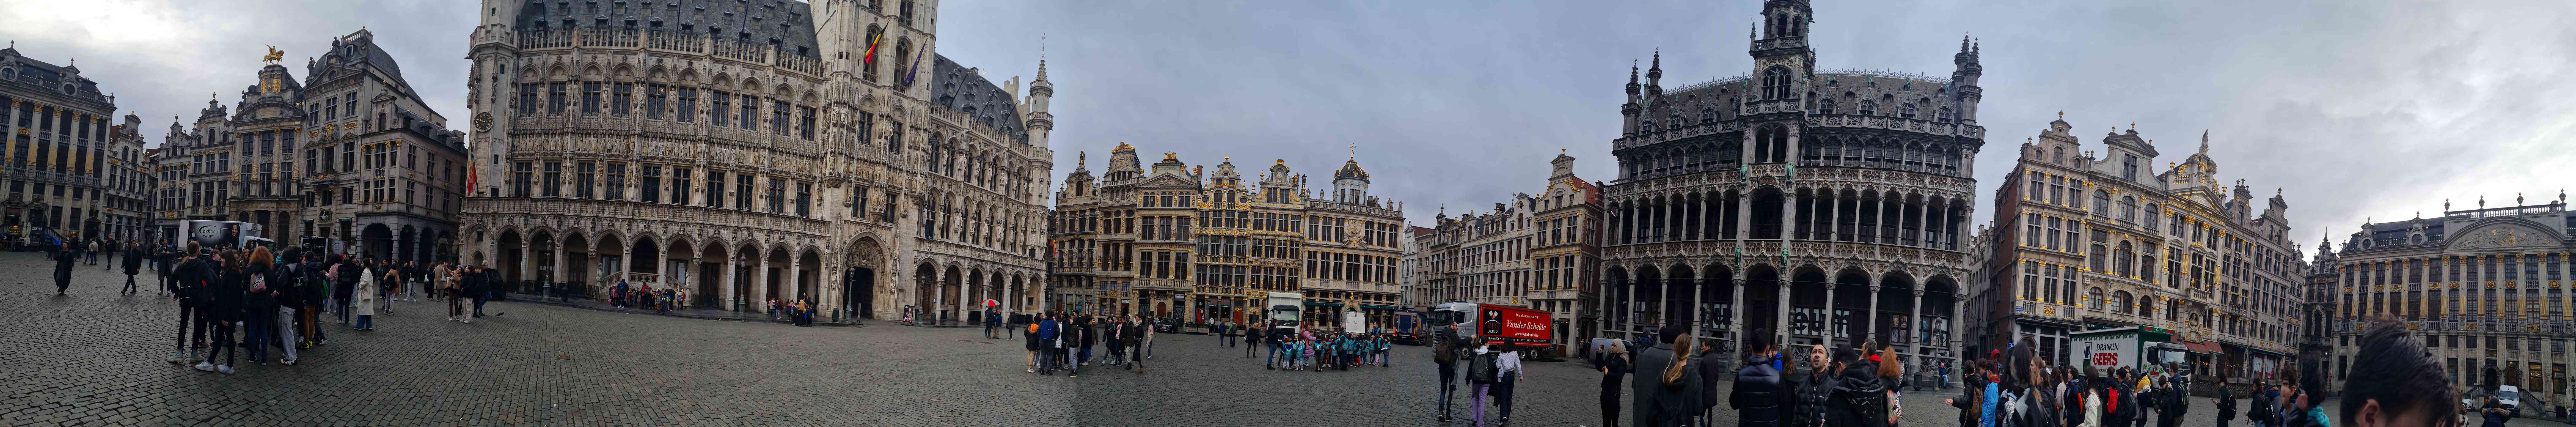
(1820, 206)
(748, 151)
(1174, 241)
(2094, 237)
(2485, 288)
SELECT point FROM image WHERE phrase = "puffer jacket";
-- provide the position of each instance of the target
(1814, 395)
(1858, 399)
(1759, 393)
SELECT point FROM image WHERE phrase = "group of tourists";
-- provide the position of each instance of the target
(1491, 373)
(67, 256)
(661, 301)
(1302, 349)
(256, 300)
(1063, 341)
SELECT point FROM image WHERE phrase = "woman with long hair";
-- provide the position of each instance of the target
(1680, 382)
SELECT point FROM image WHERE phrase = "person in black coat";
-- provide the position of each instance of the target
(1613, 364)
(2226, 402)
(133, 266)
(1858, 398)
(63, 269)
(1761, 393)
(1709, 376)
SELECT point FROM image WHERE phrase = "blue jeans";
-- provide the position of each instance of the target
(366, 321)
(1448, 386)
(257, 328)
(1273, 358)
(478, 302)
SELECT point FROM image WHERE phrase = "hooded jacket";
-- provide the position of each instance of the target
(1759, 393)
(1859, 398)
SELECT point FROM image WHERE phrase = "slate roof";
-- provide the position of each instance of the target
(789, 24)
(961, 88)
(47, 76)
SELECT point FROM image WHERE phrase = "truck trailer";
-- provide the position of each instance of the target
(2131, 347)
(1500, 325)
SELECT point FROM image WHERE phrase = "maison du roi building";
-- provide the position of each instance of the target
(2095, 237)
(748, 151)
(1540, 252)
(1818, 206)
(348, 152)
(70, 173)
(2484, 287)
(1176, 241)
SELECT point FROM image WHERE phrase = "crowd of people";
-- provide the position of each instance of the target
(1059, 341)
(1303, 349)
(1857, 387)
(237, 303)
(1491, 372)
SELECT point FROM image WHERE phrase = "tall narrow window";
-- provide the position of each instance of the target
(527, 100)
(719, 107)
(804, 199)
(582, 178)
(805, 123)
(742, 192)
(777, 195)
(590, 97)
(680, 186)
(654, 97)
(617, 181)
(1775, 83)
(621, 99)
(651, 191)
(715, 189)
(554, 179)
(778, 117)
(520, 180)
(554, 98)
(688, 107)
(859, 202)
(750, 119)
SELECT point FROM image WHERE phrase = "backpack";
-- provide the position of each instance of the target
(1480, 369)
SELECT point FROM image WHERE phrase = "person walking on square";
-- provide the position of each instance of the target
(192, 310)
(224, 294)
(390, 289)
(453, 289)
(63, 270)
(1251, 335)
(1144, 333)
(1480, 380)
(93, 252)
(133, 266)
(257, 302)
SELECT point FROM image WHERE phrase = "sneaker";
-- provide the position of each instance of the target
(1033, 370)
(174, 359)
(287, 362)
(226, 369)
(468, 321)
(203, 366)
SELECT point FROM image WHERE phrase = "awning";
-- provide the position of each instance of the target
(1324, 304)
(2203, 348)
(1377, 307)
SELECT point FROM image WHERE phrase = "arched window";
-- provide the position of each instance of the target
(1942, 115)
(1775, 83)
(1825, 107)
(2120, 302)
(2153, 215)
(2101, 201)
(868, 64)
(2093, 299)
(1906, 110)
(1868, 108)
(2128, 208)
(2058, 156)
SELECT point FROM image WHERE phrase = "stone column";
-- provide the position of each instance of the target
(1833, 216)
(726, 280)
(1780, 328)
(1735, 317)
(1913, 320)
(1957, 307)
(760, 282)
(1629, 310)
(1829, 311)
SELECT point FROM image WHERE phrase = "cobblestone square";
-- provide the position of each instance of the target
(94, 357)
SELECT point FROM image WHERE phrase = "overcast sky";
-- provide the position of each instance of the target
(2354, 109)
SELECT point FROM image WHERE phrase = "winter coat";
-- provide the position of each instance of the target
(134, 261)
(1613, 369)
(1709, 377)
(1859, 398)
(1758, 394)
(1810, 398)
(1659, 403)
(2092, 409)
(363, 302)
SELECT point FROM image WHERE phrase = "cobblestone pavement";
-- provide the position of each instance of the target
(1192, 382)
(94, 357)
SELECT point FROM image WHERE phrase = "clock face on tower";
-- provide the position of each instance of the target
(483, 122)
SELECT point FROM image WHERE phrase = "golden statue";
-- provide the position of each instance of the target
(273, 55)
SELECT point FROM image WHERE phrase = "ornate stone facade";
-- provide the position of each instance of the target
(745, 152)
(1541, 252)
(2485, 288)
(2092, 239)
(1175, 242)
(1818, 206)
(68, 175)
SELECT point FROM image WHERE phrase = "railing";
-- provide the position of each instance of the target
(676, 41)
(608, 38)
(742, 51)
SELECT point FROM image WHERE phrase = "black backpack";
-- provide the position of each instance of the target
(1480, 369)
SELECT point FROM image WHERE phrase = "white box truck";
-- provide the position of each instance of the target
(2132, 347)
(1286, 311)
(225, 234)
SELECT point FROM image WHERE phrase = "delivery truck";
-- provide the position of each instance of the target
(1500, 325)
(224, 234)
(2130, 347)
(1408, 327)
(1286, 311)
